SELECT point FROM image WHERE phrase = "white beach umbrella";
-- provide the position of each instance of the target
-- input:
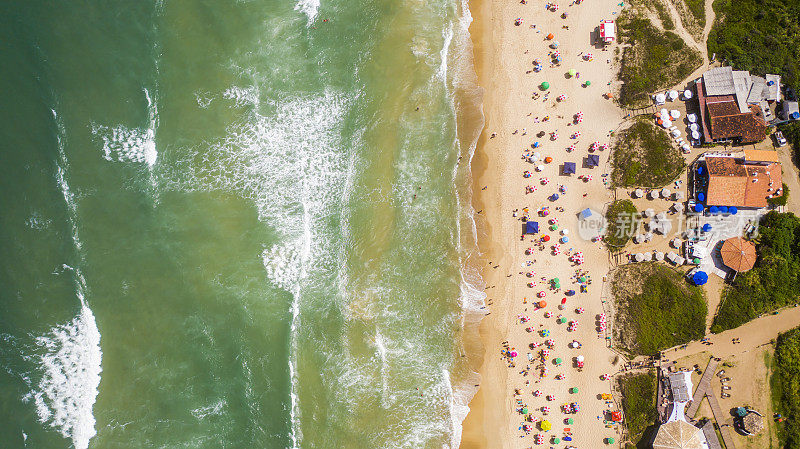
(648, 236)
(638, 193)
(638, 238)
(579, 358)
(658, 255)
(639, 257)
(692, 118)
(660, 98)
(647, 257)
(539, 167)
(676, 242)
(666, 123)
(686, 148)
(676, 133)
(655, 194)
(564, 231)
(665, 192)
(695, 135)
(687, 94)
(677, 207)
(693, 126)
(661, 216)
(674, 114)
(649, 213)
(664, 112)
(673, 94)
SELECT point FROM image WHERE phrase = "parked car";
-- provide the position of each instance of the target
(779, 139)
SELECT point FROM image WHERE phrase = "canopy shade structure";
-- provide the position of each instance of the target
(569, 168)
(608, 31)
(532, 227)
(593, 160)
(678, 434)
(738, 254)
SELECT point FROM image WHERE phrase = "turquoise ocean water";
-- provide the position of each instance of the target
(236, 224)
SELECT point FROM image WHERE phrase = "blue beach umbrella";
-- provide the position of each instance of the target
(733, 210)
(723, 209)
(698, 207)
(701, 196)
(700, 278)
(706, 227)
(713, 209)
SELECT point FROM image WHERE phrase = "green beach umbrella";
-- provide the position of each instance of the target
(556, 440)
(553, 227)
(570, 421)
(582, 279)
(588, 83)
(525, 411)
(573, 390)
(696, 260)
(558, 361)
(545, 85)
(610, 440)
(562, 320)
(571, 72)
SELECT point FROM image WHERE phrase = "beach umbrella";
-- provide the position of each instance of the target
(558, 361)
(561, 97)
(553, 135)
(700, 277)
(698, 207)
(571, 72)
(545, 85)
(610, 440)
(564, 231)
(673, 94)
(665, 192)
(550, 342)
(564, 239)
(692, 118)
(545, 181)
(539, 167)
(539, 439)
(579, 310)
(551, 397)
(554, 44)
(546, 238)
(674, 114)
(556, 440)
(537, 393)
(573, 390)
(638, 193)
(545, 333)
(553, 227)
(575, 135)
(582, 279)
(601, 317)
(548, 159)
(658, 255)
(579, 358)
(695, 135)
(603, 147)
(562, 320)
(733, 210)
(693, 127)
(570, 421)
(550, 36)
(524, 410)
(588, 56)
(588, 83)
(594, 145)
(571, 148)
(605, 377)
(545, 425)
(687, 94)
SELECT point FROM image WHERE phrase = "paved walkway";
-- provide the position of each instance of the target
(702, 387)
(720, 418)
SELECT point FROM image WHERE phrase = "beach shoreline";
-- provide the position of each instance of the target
(498, 188)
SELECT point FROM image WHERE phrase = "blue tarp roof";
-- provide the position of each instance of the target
(586, 213)
(532, 227)
(569, 168)
(699, 277)
(593, 160)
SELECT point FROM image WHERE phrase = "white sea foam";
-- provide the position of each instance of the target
(123, 144)
(308, 7)
(66, 393)
(203, 99)
(242, 96)
(210, 410)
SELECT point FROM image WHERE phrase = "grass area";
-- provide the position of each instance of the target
(651, 59)
(762, 36)
(656, 308)
(644, 156)
(660, 10)
(638, 402)
(621, 223)
(773, 283)
(785, 385)
(698, 10)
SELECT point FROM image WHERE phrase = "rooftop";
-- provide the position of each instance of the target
(734, 182)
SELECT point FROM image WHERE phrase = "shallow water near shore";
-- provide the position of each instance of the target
(237, 225)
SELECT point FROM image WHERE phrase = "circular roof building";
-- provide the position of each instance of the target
(738, 254)
(679, 434)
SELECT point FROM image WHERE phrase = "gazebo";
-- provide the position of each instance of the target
(678, 434)
(738, 254)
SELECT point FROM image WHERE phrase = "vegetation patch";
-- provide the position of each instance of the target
(785, 385)
(762, 36)
(621, 223)
(638, 402)
(773, 283)
(660, 9)
(667, 313)
(651, 59)
(781, 200)
(645, 156)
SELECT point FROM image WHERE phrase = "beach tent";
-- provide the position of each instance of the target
(593, 160)
(584, 214)
(699, 277)
(532, 227)
(569, 168)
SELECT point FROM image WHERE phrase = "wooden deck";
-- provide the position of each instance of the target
(701, 389)
(721, 420)
(711, 436)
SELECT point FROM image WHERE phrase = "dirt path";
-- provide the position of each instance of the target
(702, 47)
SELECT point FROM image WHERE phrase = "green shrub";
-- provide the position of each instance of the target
(785, 384)
(638, 402)
(781, 200)
(621, 223)
(645, 156)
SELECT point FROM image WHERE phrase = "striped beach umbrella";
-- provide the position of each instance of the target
(571, 148)
(561, 97)
(603, 147)
(537, 393)
(545, 181)
(580, 310)
(550, 397)
(539, 438)
(550, 342)
(576, 134)
(588, 56)
(548, 314)
(545, 409)
(544, 353)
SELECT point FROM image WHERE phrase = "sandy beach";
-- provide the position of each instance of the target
(505, 54)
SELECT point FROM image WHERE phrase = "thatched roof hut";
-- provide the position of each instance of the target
(752, 423)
